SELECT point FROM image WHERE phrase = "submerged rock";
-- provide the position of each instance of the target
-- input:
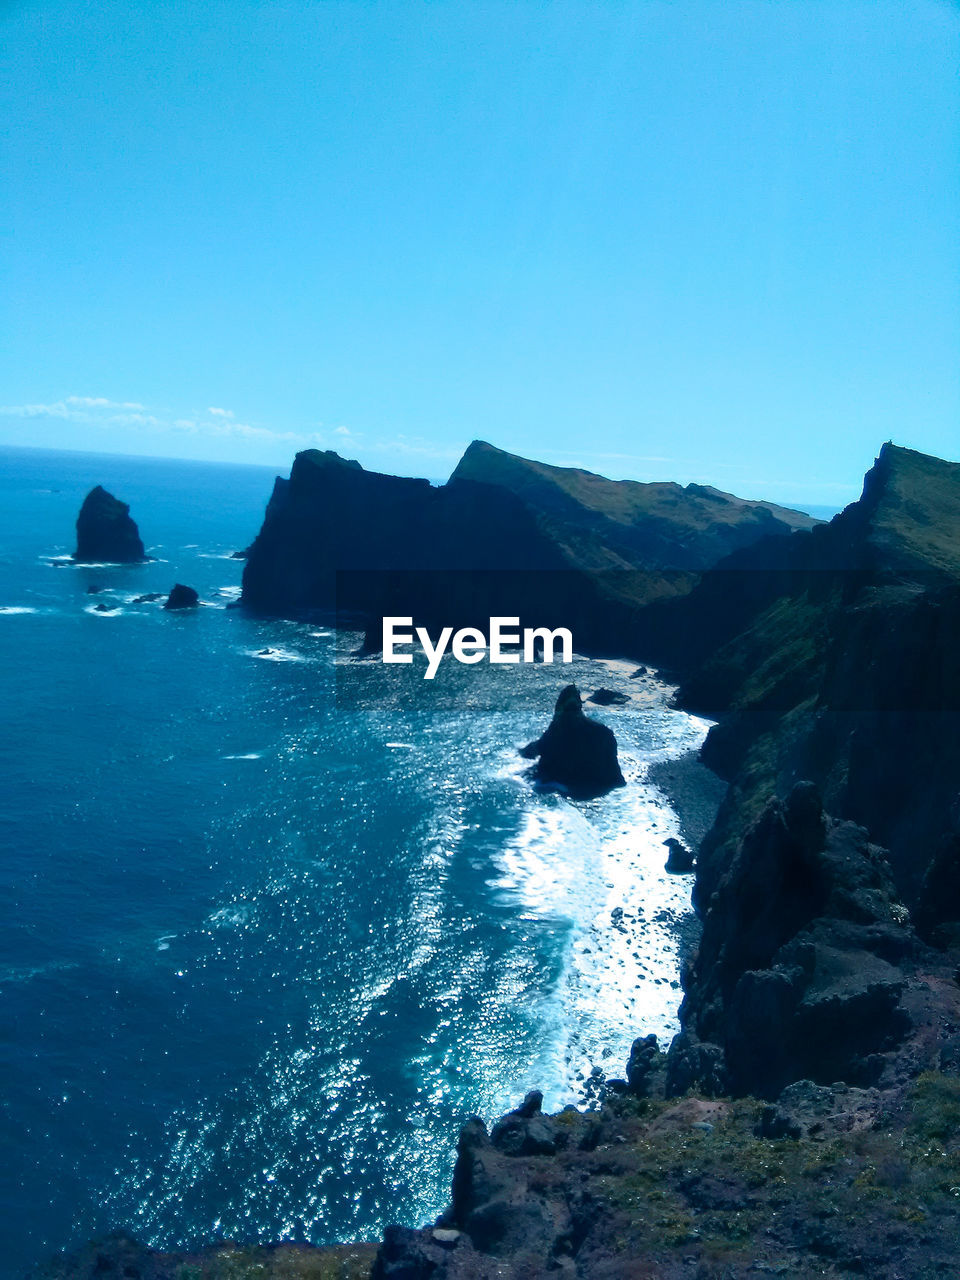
(148, 598)
(608, 698)
(106, 532)
(182, 597)
(576, 752)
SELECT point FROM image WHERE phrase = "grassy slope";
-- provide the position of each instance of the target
(694, 508)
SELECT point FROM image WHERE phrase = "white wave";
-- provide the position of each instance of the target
(275, 655)
(230, 917)
(249, 755)
(17, 608)
(596, 872)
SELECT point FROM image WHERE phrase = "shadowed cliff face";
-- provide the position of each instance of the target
(803, 964)
(338, 537)
(834, 656)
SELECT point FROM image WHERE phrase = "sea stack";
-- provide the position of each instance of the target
(182, 597)
(106, 533)
(576, 752)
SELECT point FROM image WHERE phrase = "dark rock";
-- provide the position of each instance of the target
(938, 910)
(800, 972)
(680, 859)
(576, 752)
(492, 1200)
(608, 698)
(820, 1112)
(106, 532)
(101, 607)
(639, 673)
(694, 1064)
(406, 1255)
(645, 1067)
(525, 1132)
(182, 597)
(94, 591)
(148, 598)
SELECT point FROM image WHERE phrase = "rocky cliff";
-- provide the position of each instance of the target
(648, 525)
(833, 656)
(503, 536)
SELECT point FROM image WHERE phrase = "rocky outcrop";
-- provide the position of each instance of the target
(182, 597)
(575, 752)
(106, 532)
(829, 1180)
(832, 656)
(680, 860)
(608, 698)
(805, 957)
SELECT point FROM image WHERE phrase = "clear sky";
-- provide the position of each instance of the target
(699, 240)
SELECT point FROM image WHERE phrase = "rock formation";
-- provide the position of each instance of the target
(336, 538)
(106, 532)
(832, 656)
(680, 859)
(182, 597)
(805, 958)
(608, 698)
(575, 752)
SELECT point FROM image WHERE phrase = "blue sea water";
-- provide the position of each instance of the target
(264, 947)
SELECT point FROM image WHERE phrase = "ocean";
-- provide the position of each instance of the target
(276, 920)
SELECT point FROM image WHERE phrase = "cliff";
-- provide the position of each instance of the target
(650, 525)
(502, 536)
(832, 656)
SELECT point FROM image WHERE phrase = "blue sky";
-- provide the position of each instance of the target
(692, 240)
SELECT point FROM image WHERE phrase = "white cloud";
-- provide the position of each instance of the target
(100, 402)
(94, 412)
(57, 410)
